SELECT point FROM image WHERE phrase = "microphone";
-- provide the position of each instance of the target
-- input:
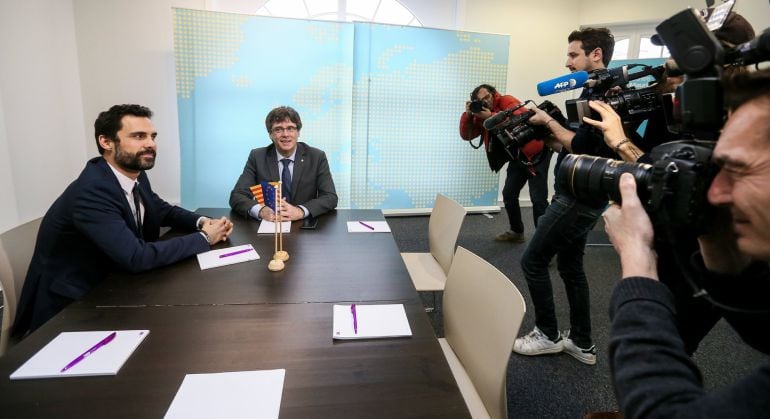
(501, 116)
(562, 84)
(497, 118)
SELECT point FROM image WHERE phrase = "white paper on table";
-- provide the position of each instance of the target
(372, 320)
(107, 360)
(379, 227)
(241, 394)
(227, 256)
(268, 227)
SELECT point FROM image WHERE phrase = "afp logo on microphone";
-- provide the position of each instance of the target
(571, 83)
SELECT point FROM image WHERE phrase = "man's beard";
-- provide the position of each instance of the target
(134, 162)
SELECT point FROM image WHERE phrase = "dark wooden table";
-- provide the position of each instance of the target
(326, 264)
(243, 317)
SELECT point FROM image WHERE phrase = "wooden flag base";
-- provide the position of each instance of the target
(281, 255)
(275, 265)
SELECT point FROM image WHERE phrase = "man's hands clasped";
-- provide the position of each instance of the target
(289, 212)
(217, 230)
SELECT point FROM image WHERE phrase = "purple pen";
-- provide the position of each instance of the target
(366, 225)
(355, 319)
(91, 350)
(237, 252)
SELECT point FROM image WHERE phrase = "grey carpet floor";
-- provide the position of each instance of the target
(558, 386)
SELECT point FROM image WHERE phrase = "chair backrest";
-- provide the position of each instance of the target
(482, 314)
(444, 225)
(16, 248)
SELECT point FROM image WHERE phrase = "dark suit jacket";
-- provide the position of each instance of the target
(311, 183)
(90, 231)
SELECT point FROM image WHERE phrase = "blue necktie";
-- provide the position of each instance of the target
(286, 180)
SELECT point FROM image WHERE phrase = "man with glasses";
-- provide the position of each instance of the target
(530, 164)
(307, 185)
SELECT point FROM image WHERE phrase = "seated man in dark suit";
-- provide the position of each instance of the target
(94, 227)
(307, 185)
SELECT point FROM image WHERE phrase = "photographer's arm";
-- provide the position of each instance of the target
(614, 135)
(562, 135)
(470, 127)
(652, 373)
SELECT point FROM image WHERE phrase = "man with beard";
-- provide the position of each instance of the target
(108, 219)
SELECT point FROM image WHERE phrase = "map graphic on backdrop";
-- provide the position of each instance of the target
(382, 101)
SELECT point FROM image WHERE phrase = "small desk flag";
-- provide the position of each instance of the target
(264, 193)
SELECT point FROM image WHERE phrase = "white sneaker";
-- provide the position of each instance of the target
(586, 356)
(537, 343)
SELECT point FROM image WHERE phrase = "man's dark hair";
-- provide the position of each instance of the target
(489, 88)
(281, 114)
(593, 38)
(110, 122)
(742, 87)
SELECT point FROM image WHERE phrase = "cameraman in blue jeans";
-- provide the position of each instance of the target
(564, 227)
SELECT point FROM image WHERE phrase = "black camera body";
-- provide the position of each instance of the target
(672, 189)
(517, 132)
(631, 105)
(477, 105)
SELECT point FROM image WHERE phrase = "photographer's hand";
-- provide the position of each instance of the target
(468, 108)
(539, 118)
(612, 127)
(631, 233)
(719, 247)
(558, 133)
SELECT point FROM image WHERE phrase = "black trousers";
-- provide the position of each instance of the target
(516, 177)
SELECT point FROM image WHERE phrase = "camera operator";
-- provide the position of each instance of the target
(564, 227)
(653, 373)
(529, 166)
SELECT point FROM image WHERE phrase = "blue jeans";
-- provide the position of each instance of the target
(561, 231)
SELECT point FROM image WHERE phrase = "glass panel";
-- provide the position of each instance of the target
(621, 49)
(647, 49)
(263, 11)
(326, 16)
(391, 11)
(362, 8)
(318, 7)
(287, 8)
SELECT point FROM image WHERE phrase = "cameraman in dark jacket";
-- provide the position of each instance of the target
(530, 165)
(653, 373)
(563, 229)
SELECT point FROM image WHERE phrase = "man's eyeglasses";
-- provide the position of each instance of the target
(281, 130)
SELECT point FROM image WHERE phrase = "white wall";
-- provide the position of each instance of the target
(41, 133)
(125, 54)
(63, 61)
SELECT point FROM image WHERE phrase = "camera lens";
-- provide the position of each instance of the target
(592, 180)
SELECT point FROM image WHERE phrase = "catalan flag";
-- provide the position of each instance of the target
(264, 193)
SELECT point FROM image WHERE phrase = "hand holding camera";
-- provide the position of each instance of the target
(631, 233)
(477, 108)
